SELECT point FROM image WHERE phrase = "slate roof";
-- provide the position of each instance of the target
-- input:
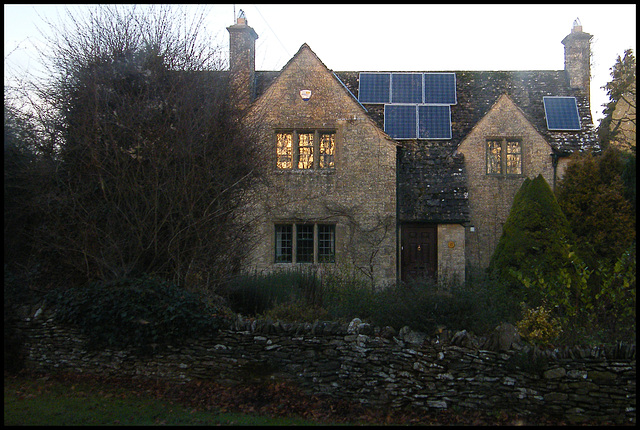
(477, 91)
(431, 175)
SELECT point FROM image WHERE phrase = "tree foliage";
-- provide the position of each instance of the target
(150, 161)
(28, 182)
(582, 266)
(592, 196)
(618, 127)
(536, 234)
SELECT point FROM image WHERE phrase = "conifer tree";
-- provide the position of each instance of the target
(535, 237)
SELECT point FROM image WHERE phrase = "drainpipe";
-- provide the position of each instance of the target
(398, 228)
(554, 162)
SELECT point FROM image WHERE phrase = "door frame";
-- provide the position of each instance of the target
(405, 230)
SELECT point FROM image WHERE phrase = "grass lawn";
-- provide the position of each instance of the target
(32, 400)
(78, 399)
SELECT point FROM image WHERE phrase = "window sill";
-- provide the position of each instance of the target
(305, 171)
(290, 264)
(503, 176)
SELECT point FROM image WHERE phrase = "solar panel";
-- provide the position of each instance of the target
(374, 88)
(434, 122)
(400, 121)
(406, 88)
(561, 113)
(440, 88)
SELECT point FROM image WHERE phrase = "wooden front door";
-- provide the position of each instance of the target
(419, 253)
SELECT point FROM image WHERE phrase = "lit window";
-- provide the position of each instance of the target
(327, 149)
(494, 157)
(284, 148)
(305, 150)
(504, 157)
(514, 157)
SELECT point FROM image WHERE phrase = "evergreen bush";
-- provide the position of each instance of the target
(536, 235)
(139, 313)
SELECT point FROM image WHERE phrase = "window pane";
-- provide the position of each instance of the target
(304, 243)
(284, 148)
(494, 156)
(305, 145)
(514, 158)
(326, 243)
(327, 149)
(284, 249)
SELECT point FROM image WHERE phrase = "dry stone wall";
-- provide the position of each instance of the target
(374, 366)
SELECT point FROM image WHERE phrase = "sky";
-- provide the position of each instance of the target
(384, 37)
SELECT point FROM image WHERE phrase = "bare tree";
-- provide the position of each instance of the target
(151, 159)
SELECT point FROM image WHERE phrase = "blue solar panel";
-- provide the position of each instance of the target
(440, 88)
(434, 122)
(561, 113)
(400, 121)
(406, 88)
(374, 88)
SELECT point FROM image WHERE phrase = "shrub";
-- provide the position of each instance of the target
(593, 304)
(257, 293)
(537, 326)
(142, 313)
(424, 306)
(296, 311)
(13, 341)
(346, 295)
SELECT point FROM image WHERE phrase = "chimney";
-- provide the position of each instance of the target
(577, 58)
(242, 60)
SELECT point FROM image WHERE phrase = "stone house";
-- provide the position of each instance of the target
(401, 175)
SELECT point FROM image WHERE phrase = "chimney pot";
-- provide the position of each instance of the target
(242, 18)
(577, 26)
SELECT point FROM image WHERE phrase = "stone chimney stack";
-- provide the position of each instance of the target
(242, 60)
(577, 58)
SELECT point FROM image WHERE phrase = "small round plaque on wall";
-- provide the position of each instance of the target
(452, 244)
(305, 94)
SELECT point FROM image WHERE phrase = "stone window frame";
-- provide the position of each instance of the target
(290, 236)
(504, 155)
(288, 158)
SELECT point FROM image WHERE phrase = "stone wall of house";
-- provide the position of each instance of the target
(451, 253)
(491, 196)
(373, 366)
(358, 195)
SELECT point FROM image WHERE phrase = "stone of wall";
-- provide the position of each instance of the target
(373, 366)
(451, 253)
